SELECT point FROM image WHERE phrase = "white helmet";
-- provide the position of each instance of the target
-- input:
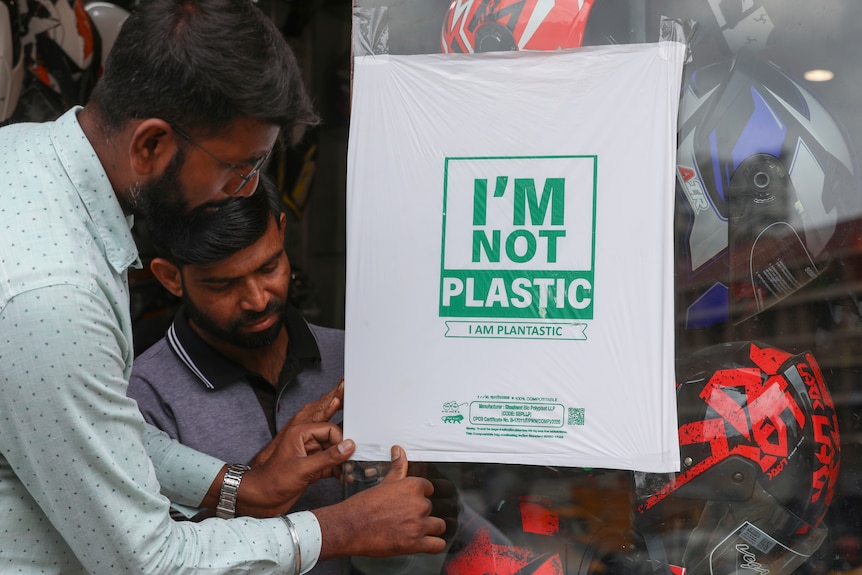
(108, 19)
(62, 49)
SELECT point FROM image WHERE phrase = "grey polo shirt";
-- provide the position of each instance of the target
(206, 401)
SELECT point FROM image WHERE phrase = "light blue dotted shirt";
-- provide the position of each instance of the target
(85, 483)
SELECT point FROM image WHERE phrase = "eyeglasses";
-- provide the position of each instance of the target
(256, 165)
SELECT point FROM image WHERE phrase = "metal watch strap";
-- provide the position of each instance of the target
(226, 508)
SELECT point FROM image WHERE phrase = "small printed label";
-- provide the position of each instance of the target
(517, 414)
(513, 416)
(757, 538)
(516, 330)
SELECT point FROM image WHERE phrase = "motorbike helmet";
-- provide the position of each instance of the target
(108, 18)
(539, 520)
(62, 49)
(759, 449)
(11, 58)
(767, 190)
(504, 25)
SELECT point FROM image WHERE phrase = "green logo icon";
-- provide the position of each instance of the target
(452, 412)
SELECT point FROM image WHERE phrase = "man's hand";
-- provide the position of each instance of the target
(318, 411)
(296, 458)
(321, 409)
(391, 518)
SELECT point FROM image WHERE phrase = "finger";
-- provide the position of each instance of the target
(336, 392)
(328, 404)
(443, 488)
(315, 441)
(398, 468)
(336, 400)
(435, 541)
(445, 505)
(324, 461)
(431, 545)
(327, 410)
(439, 527)
(444, 499)
(370, 473)
(324, 434)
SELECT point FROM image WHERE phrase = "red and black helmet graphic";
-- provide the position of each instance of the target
(760, 451)
(755, 417)
(505, 25)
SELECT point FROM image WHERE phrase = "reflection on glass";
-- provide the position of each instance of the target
(768, 266)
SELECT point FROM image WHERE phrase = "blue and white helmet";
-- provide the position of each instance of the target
(768, 190)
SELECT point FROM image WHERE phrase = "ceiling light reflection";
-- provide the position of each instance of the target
(819, 75)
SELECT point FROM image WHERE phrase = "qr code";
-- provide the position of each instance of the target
(576, 416)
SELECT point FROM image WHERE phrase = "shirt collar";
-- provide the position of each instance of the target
(86, 173)
(216, 371)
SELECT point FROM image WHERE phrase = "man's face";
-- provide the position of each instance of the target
(223, 165)
(203, 173)
(241, 300)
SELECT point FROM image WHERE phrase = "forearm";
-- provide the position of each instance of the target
(76, 443)
(186, 476)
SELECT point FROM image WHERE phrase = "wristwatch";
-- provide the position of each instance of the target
(226, 508)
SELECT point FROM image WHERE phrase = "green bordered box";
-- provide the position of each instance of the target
(519, 237)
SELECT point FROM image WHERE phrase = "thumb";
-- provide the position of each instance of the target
(329, 457)
(398, 469)
(343, 450)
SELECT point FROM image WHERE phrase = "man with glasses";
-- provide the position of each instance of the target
(245, 172)
(193, 98)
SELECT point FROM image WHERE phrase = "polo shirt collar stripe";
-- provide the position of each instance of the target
(213, 369)
(179, 350)
(216, 371)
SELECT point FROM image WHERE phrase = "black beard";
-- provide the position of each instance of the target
(231, 334)
(160, 204)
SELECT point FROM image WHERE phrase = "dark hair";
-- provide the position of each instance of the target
(201, 64)
(212, 235)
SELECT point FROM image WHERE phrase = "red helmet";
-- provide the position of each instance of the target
(503, 25)
(759, 448)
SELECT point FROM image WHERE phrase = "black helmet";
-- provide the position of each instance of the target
(759, 449)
